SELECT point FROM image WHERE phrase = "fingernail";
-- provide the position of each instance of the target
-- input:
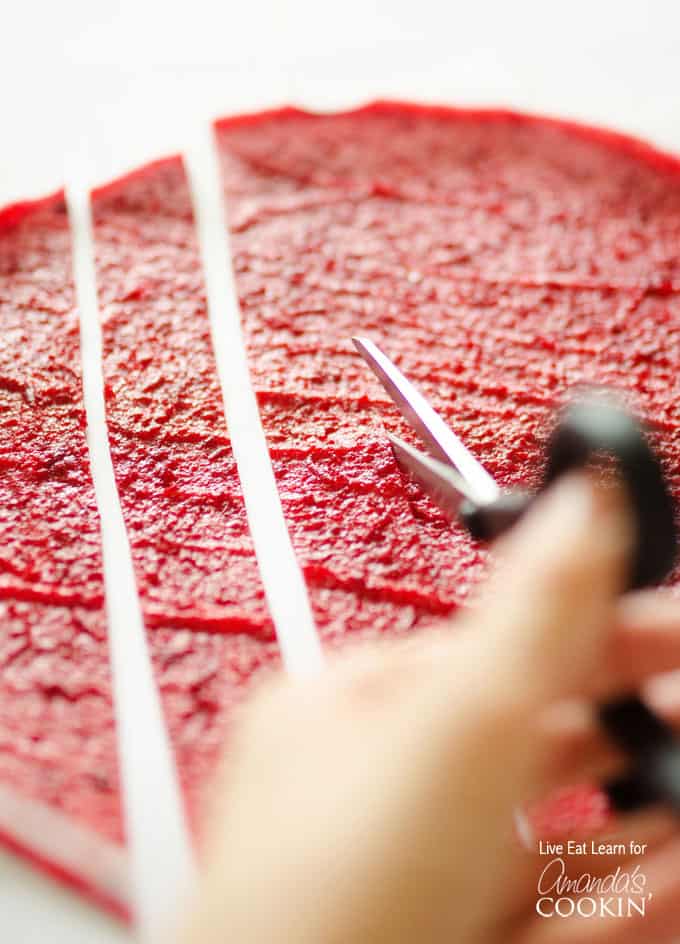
(565, 511)
(572, 500)
(663, 692)
(580, 509)
(576, 515)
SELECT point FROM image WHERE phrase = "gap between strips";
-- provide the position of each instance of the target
(284, 584)
(159, 846)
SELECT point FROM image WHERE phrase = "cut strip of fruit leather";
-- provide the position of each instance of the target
(59, 800)
(202, 599)
(500, 259)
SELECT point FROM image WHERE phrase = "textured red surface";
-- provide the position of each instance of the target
(202, 598)
(57, 740)
(501, 260)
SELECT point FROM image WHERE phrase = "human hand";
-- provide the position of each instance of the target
(375, 803)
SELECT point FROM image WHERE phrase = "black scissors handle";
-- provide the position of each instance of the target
(595, 427)
(655, 772)
(490, 521)
(588, 429)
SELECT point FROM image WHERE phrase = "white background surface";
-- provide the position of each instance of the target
(93, 88)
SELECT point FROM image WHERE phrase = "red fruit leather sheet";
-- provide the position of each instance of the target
(58, 776)
(501, 260)
(202, 599)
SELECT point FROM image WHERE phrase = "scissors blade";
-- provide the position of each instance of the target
(439, 438)
(444, 485)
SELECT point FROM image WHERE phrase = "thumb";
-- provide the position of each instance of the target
(547, 611)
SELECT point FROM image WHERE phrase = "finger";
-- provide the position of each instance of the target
(581, 754)
(645, 642)
(547, 612)
(576, 748)
(662, 694)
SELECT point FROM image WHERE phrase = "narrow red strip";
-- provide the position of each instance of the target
(57, 739)
(201, 594)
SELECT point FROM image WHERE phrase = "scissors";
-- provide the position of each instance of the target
(591, 427)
